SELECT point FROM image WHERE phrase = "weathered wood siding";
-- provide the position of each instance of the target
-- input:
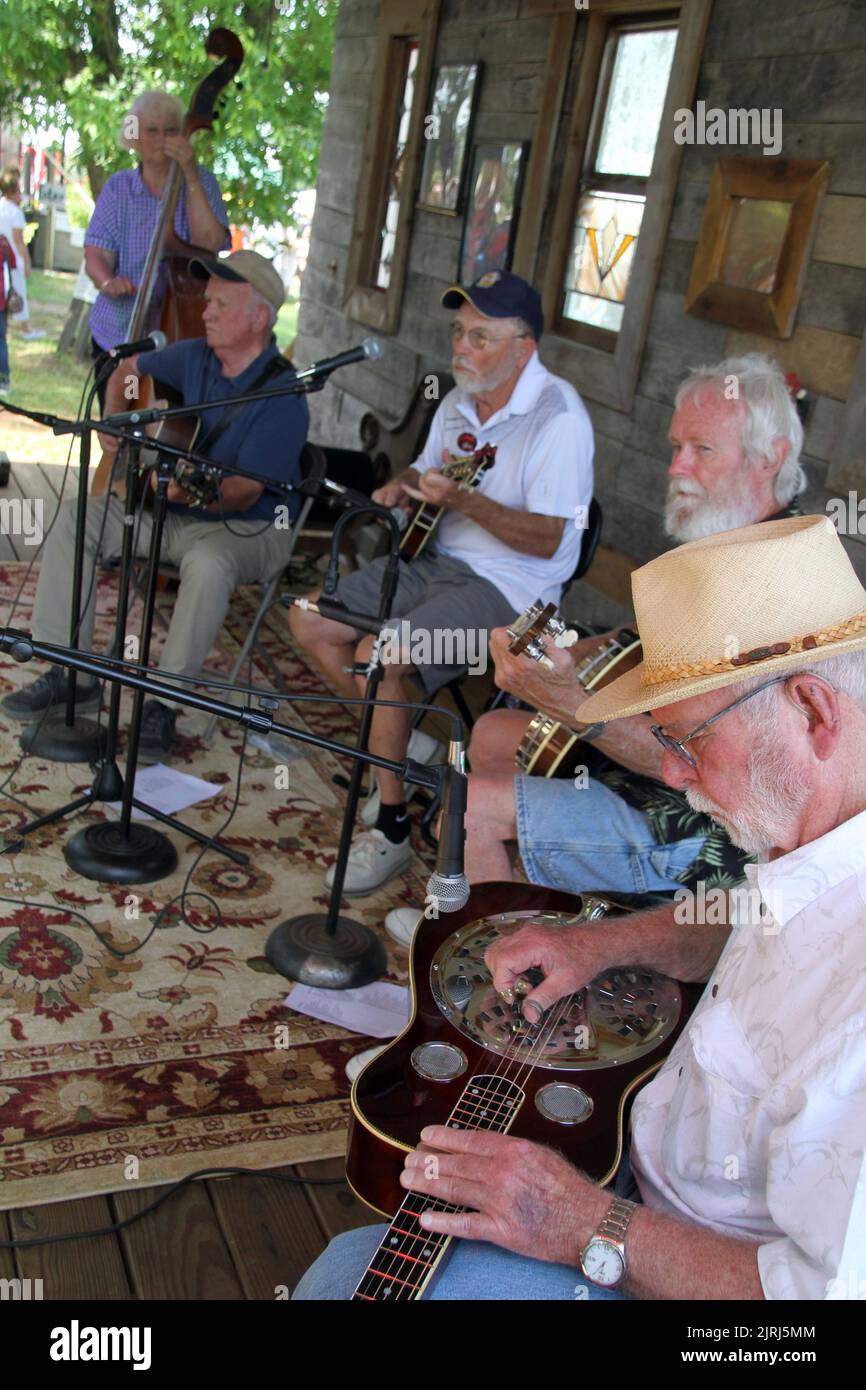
(804, 56)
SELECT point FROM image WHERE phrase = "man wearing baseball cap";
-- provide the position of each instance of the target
(219, 546)
(748, 1145)
(500, 544)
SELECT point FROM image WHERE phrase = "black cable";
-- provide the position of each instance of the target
(118, 1226)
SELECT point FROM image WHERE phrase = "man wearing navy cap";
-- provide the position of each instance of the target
(514, 537)
(235, 540)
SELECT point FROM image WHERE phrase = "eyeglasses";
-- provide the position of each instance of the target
(675, 745)
(478, 338)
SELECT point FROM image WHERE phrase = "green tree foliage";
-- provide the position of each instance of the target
(79, 64)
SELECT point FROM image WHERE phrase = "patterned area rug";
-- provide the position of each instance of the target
(173, 1054)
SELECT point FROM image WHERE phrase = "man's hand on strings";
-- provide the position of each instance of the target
(521, 1196)
(567, 957)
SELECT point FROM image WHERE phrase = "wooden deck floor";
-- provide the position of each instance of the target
(221, 1238)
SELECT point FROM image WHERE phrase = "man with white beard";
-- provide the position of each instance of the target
(736, 440)
(747, 1146)
(498, 545)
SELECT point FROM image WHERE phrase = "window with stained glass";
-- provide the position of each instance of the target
(629, 101)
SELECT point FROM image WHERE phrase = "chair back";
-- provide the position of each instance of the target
(590, 539)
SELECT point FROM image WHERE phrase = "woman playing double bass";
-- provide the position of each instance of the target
(124, 219)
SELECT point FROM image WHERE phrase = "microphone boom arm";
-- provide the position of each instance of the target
(21, 647)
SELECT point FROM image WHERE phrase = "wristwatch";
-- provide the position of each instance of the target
(603, 1259)
(591, 732)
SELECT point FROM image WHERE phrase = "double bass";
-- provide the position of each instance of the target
(180, 315)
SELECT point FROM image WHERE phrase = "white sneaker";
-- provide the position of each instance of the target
(423, 749)
(34, 335)
(402, 923)
(356, 1065)
(373, 859)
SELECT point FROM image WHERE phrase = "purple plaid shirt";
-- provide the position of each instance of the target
(124, 221)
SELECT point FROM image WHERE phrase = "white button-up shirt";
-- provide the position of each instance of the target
(756, 1124)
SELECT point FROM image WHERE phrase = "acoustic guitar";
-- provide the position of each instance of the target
(201, 486)
(468, 470)
(470, 1060)
(550, 748)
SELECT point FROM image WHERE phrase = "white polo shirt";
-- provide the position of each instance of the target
(544, 447)
(756, 1124)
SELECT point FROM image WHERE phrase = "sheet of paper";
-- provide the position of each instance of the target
(167, 790)
(379, 1010)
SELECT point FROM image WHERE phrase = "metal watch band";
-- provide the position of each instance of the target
(615, 1223)
(590, 733)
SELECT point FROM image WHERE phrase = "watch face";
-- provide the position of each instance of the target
(603, 1264)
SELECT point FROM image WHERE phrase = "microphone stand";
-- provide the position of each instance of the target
(336, 960)
(125, 851)
(55, 736)
(327, 949)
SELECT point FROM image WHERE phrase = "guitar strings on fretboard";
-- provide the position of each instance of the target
(408, 1254)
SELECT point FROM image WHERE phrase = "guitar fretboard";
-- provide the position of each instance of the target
(405, 1260)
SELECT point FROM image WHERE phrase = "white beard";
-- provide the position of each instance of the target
(690, 513)
(776, 796)
(474, 384)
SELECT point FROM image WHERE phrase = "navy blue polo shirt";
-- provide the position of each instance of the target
(266, 438)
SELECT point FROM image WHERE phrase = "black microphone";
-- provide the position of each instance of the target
(370, 348)
(154, 343)
(330, 608)
(448, 887)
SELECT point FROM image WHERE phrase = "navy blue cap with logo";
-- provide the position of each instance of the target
(500, 295)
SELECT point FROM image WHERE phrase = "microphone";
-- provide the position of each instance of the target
(448, 887)
(330, 608)
(370, 348)
(154, 343)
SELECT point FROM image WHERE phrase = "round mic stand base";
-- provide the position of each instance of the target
(106, 853)
(303, 949)
(59, 742)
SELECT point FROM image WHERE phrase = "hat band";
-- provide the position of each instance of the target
(682, 670)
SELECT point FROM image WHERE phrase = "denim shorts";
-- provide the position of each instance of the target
(584, 838)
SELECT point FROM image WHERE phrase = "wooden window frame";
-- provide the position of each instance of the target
(609, 377)
(399, 20)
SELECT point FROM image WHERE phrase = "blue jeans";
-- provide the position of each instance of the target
(470, 1270)
(4, 348)
(580, 838)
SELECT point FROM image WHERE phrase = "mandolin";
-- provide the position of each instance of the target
(470, 1060)
(468, 470)
(550, 748)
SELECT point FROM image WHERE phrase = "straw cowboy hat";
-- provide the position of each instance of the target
(765, 598)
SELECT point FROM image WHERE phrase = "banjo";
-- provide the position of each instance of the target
(550, 748)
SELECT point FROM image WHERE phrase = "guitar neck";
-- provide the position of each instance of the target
(469, 470)
(408, 1256)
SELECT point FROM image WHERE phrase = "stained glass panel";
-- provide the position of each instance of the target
(603, 250)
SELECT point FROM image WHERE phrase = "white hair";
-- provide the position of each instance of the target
(846, 673)
(259, 299)
(758, 381)
(147, 104)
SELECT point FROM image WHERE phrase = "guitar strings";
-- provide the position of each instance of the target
(433, 1243)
